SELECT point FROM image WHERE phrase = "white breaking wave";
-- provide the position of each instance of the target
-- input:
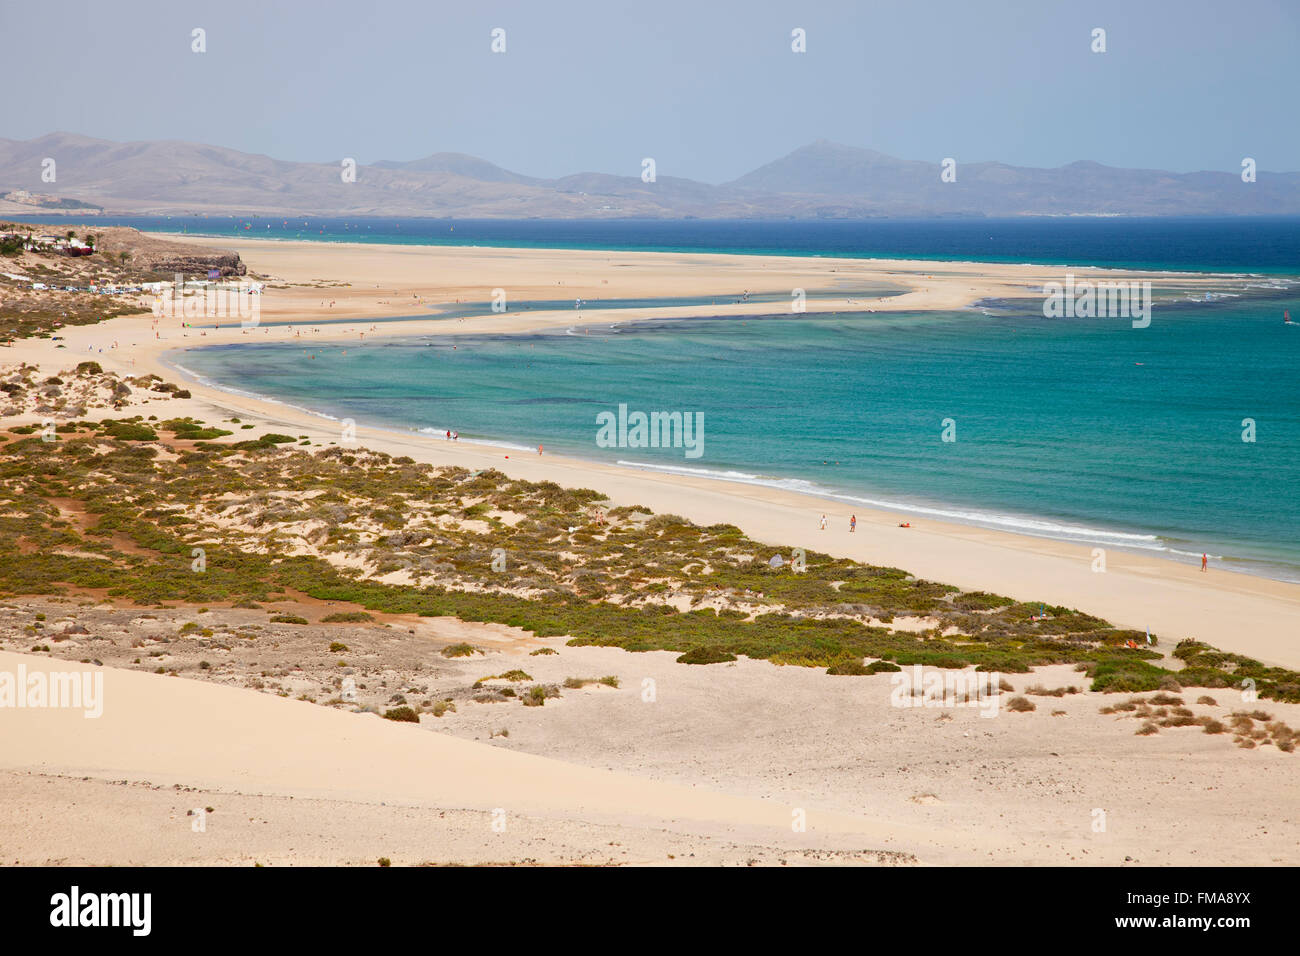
(1020, 524)
(1193, 554)
(789, 484)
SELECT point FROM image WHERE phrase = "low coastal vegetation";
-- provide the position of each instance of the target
(1250, 729)
(69, 395)
(577, 683)
(402, 714)
(459, 650)
(513, 676)
(539, 694)
(348, 617)
(170, 513)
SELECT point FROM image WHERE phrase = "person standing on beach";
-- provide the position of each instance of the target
(853, 524)
(539, 449)
(1204, 560)
(823, 524)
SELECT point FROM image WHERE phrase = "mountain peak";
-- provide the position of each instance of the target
(825, 168)
(457, 164)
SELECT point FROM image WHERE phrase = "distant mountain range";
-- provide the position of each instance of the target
(821, 181)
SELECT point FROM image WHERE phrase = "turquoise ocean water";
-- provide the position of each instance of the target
(1079, 429)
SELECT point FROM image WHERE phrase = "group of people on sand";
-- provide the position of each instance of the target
(853, 524)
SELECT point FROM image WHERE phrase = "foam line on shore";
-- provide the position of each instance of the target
(1019, 523)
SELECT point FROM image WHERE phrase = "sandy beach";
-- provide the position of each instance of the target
(732, 751)
(710, 773)
(1238, 612)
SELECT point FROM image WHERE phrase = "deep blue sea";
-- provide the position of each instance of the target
(1196, 244)
(1081, 429)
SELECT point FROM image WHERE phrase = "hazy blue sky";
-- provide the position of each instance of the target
(709, 89)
